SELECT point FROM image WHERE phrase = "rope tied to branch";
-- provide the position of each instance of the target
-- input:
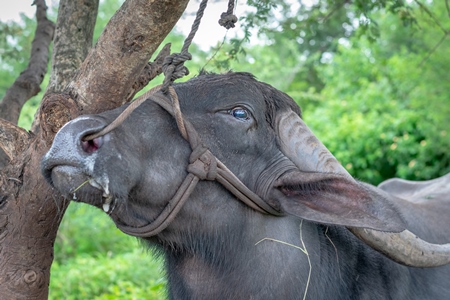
(228, 19)
(173, 66)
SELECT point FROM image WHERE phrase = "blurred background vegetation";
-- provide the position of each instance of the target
(372, 80)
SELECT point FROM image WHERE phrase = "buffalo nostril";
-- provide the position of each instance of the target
(92, 145)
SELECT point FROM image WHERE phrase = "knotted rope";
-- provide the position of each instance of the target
(173, 66)
(228, 19)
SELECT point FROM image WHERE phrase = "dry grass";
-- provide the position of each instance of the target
(303, 249)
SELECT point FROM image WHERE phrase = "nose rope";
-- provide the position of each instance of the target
(135, 104)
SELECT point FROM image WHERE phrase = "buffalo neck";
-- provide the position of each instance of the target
(256, 261)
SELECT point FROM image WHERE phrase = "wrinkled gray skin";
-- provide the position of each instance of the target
(217, 247)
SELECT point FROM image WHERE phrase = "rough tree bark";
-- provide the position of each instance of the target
(30, 211)
(74, 26)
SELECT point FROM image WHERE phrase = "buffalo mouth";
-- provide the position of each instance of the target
(78, 186)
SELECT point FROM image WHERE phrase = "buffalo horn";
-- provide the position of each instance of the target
(300, 145)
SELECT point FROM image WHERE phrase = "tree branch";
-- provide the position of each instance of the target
(432, 16)
(436, 21)
(66, 59)
(128, 41)
(28, 83)
(74, 26)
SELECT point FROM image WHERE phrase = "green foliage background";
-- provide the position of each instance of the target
(94, 260)
(371, 78)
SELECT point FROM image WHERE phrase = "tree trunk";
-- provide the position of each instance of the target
(28, 83)
(30, 211)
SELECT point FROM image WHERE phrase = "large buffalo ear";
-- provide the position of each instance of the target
(333, 199)
(322, 190)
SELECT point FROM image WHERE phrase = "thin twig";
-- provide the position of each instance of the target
(284, 243)
(309, 261)
(335, 9)
(433, 50)
(217, 51)
(425, 9)
(79, 187)
(436, 21)
(448, 8)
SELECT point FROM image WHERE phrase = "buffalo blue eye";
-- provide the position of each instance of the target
(240, 113)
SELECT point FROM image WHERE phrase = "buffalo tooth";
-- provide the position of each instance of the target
(106, 207)
(108, 199)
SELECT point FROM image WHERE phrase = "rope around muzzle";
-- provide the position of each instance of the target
(203, 165)
(135, 104)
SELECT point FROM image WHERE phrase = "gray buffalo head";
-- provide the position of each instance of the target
(255, 130)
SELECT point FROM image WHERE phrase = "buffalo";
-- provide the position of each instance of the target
(244, 202)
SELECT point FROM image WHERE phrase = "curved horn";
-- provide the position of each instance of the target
(299, 144)
(306, 151)
(405, 247)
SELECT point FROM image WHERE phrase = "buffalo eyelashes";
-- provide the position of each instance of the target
(240, 113)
